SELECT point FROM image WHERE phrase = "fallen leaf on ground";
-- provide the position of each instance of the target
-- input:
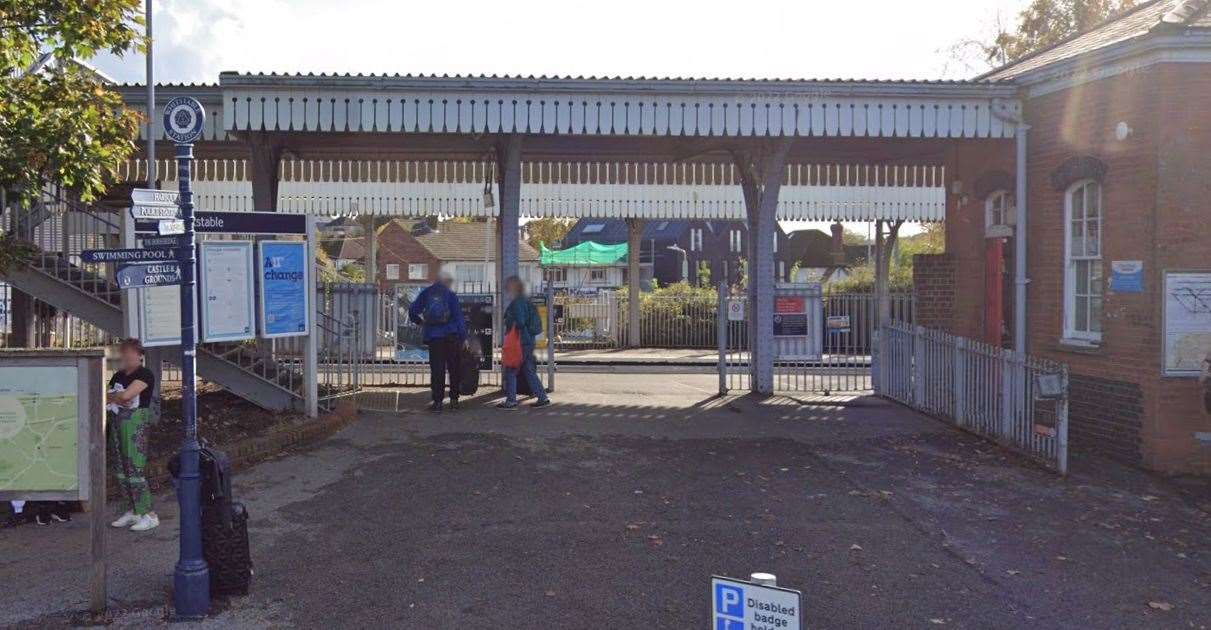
(855, 547)
(1166, 606)
(936, 621)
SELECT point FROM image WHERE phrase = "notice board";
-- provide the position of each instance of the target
(226, 288)
(1187, 319)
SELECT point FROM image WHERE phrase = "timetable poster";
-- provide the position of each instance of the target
(227, 290)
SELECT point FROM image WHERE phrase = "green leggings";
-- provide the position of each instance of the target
(128, 453)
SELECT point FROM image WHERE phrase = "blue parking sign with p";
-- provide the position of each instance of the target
(729, 607)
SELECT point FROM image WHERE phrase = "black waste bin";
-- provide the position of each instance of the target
(224, 525)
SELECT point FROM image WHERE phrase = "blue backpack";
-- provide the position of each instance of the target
(436, 311)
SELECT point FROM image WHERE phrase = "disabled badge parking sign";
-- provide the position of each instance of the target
(743, 605)
(184, 119)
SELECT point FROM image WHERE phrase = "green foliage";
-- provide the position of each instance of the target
(1046, 22)
(932, 240)
(60, 124)
(325, 269)
(704, 274)
(352, 272)
(549, 230)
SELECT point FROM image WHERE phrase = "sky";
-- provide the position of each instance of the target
(870, 39)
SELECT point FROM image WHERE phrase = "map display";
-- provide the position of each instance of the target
(39, 429)
(1187, 322)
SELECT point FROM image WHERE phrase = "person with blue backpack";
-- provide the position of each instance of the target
(437, 311)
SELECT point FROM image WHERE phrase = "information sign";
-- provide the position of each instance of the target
(226, 287)
(1187, 310)
(285, 289)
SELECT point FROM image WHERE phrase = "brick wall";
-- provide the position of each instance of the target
(1156, 204)
(933, 282)
(1106, 416)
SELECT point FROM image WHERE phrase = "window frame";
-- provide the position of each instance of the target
(391, 271)
(1095, 279)
(1004, 227)
(424, 271)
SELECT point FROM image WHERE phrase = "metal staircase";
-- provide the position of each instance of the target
(55, 274)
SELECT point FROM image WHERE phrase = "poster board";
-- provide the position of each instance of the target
(158, 316)
(51, 424)
(226, 290)
(285, 294)
(1187, 322)
(798, 322)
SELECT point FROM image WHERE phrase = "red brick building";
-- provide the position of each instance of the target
(1119, 179)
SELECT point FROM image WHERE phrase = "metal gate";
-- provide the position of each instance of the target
(400, 358)
(823, 341)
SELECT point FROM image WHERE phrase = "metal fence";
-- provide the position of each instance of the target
(833, 355)
(1014, 399)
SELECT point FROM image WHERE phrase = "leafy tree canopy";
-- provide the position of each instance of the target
(58, 122)
(1046, 22)
(547, 230)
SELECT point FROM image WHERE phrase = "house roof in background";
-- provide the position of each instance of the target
(1139, 22)
(466, 241)
(814, 249)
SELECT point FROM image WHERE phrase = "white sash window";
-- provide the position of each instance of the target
(1083, 262)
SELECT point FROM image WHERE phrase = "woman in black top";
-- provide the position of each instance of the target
(129, 415)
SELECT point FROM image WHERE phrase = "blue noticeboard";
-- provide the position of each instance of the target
(1127, 276)
(285, 289)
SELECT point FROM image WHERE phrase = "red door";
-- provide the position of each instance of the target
(994, 290)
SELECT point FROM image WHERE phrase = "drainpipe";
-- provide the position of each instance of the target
(1019, 241)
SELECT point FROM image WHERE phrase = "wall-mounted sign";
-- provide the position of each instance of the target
(837, 324)
(226, 288)
(1187, 320)
(184, 119)
(735, 309)
(239, 223)
(1127, 276)
(285, 289)
(790, 316)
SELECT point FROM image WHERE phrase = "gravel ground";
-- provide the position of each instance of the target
(613, 507)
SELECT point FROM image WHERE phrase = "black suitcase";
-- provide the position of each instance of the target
(468, 381)
(225, 547)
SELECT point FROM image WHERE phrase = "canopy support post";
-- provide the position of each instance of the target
(634, 275)
(761, 175)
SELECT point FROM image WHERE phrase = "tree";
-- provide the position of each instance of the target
(548, 230)
(58, 121)
(1046, 22)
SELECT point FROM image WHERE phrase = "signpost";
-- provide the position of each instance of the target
(150, 204)
(134, 276)
(127, 255)
(184, 119)
(746, 605)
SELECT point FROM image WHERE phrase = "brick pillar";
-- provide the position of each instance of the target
(933, 283)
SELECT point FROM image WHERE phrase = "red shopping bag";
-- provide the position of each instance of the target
(510, 352)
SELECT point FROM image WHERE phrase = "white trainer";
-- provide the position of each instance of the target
(126, 520)
(145, 522)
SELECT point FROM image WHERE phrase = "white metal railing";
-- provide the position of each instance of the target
(1016, 400)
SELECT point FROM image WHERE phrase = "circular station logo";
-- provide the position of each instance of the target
(184, 119)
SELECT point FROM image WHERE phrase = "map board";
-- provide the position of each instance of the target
(48, 404)
(1187, 309)
(285, 289)
(226, 287)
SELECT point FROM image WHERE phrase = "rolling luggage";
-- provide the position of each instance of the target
(468, 382)
(224, 525)
(225, 547)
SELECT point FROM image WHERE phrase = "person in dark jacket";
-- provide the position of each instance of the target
(438, 312)
(522, 315)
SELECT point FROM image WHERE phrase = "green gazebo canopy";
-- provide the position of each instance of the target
(586, 254)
